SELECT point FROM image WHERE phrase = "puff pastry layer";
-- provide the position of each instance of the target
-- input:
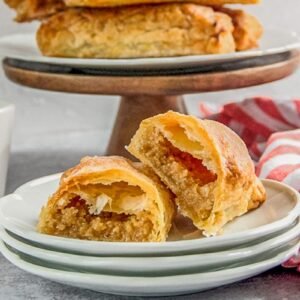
(204, 163)
(109, 199)
(137, 31)
(103, 3)
(247, 29)
(28, 10)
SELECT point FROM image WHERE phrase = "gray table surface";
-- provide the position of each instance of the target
(17, 284)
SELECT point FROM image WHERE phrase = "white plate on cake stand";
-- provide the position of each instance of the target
(152, 286)
(24, 47)
(19, 214)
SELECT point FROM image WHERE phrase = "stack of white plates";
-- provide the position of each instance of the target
(251, 244)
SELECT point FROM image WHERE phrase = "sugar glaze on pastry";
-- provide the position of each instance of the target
(109, 199)
(204, 163)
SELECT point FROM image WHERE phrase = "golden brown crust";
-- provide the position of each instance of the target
(105, 3)
(137, 31)
(247, 29)
(140, 207)
(232, 192)
(28, 10)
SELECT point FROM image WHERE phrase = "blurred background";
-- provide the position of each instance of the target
(50, 123)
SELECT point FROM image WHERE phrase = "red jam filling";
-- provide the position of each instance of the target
(194, 165)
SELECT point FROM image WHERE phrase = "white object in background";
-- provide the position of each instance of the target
(7, 112)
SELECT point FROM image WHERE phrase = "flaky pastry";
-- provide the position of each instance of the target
(105, 3)
(137, 31)
(247, 28)
(204, 163)
(109, 199)
(28, 10)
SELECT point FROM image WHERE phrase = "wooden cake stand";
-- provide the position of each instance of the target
(148, 92)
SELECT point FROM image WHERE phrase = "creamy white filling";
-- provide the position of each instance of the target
(133, 203)
(125, 204)
(101, 202)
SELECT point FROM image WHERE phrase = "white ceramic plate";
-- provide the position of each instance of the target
(151, 266)
(23, 46)
(152, 286)
(19, 214)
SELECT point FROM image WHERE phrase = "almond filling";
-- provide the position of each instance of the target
(186, 176)
(115, 217)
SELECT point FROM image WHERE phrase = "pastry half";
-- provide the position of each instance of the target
(109, 199)
(28, 10)
(105, 3)
(137, 31)
(204, 163)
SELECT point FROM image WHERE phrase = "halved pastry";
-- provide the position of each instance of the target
(204, 163)
(109, 199)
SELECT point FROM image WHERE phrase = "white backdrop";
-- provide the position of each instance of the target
(54, 121)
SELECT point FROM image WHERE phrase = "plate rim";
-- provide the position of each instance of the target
(154, 62)
(91, 262)
(135, 247)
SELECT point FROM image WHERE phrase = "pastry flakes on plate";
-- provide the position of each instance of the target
(109, 199)
(204, 163)
(137, 31)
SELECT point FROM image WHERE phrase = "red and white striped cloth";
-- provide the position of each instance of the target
(271, 131)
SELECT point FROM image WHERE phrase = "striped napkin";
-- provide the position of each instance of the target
(271, 131)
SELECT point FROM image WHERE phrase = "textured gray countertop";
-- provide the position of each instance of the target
(17, 284)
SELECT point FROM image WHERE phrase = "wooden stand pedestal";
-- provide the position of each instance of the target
(147, 92)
